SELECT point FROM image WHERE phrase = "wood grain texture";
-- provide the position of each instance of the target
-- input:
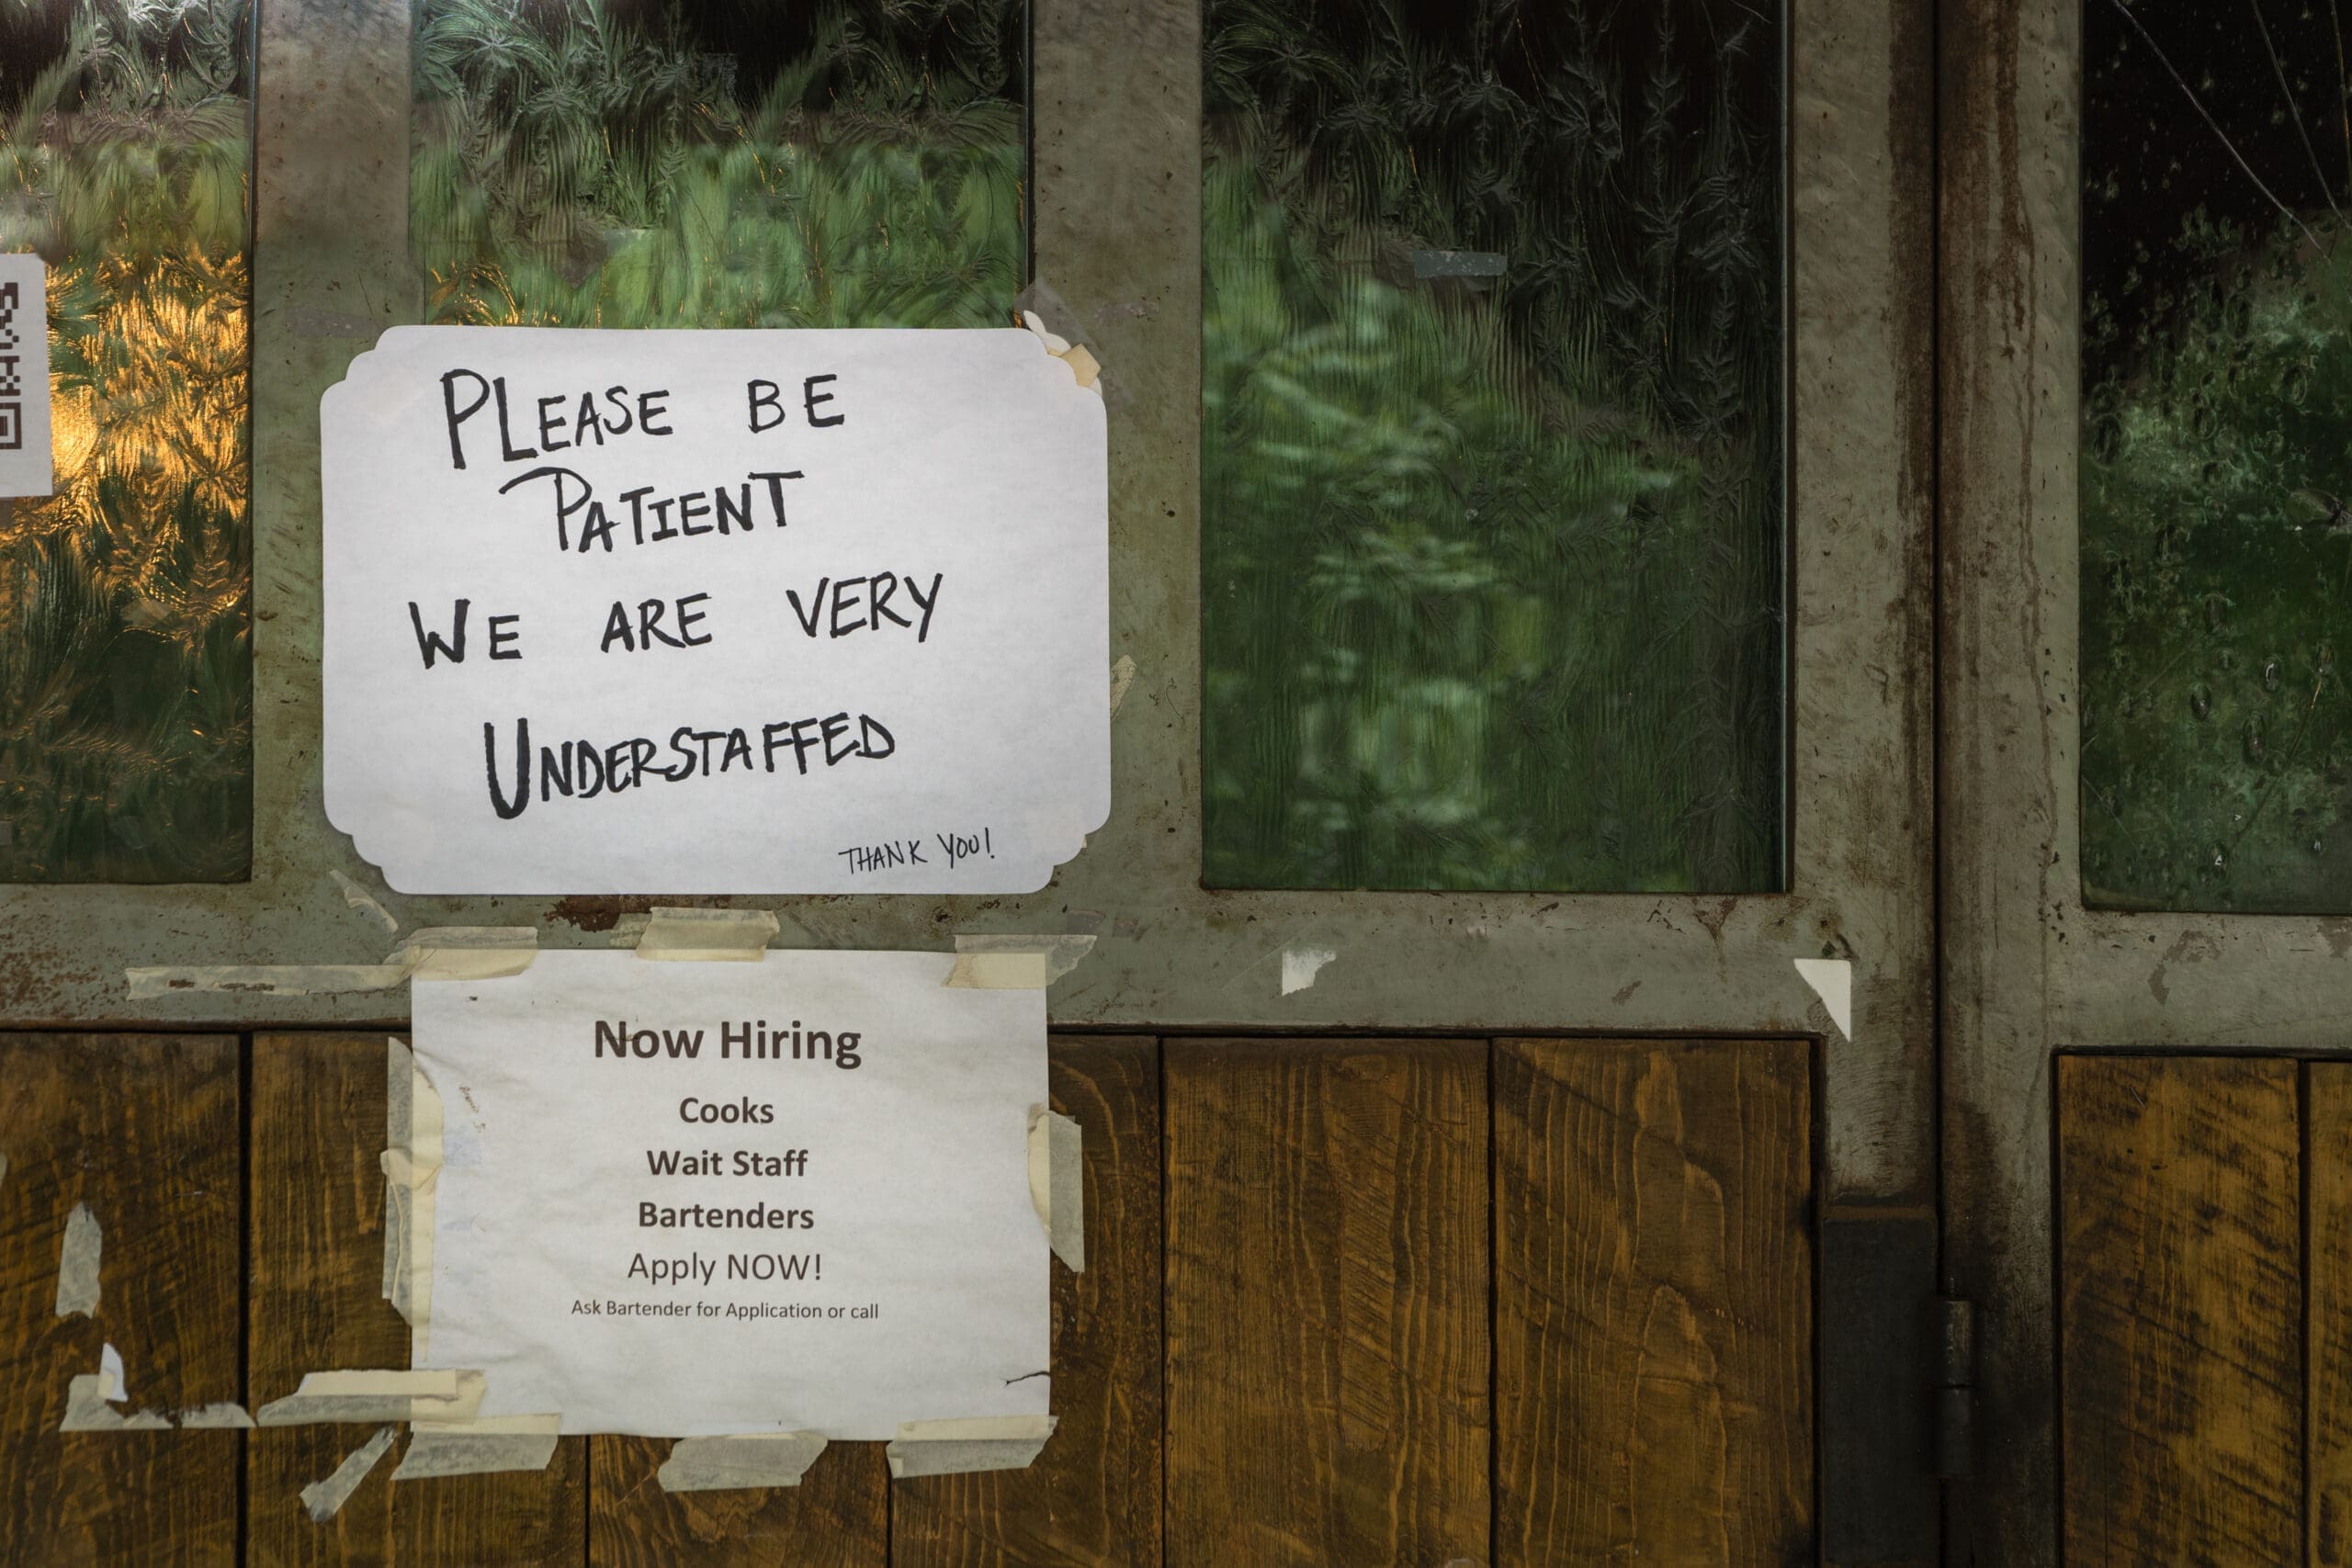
(1092, 1496)
(1653, 1302)
(839, 1516)
(317, 1208)
(145, 1129)
(1327, 1301)
(2180, 1323)
(2327, 1258)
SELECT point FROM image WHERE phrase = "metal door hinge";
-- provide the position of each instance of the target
(1955, 1390)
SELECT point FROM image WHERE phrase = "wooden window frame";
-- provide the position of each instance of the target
(1117, 188)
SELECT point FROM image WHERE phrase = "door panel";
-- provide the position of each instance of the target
(1391, 1269)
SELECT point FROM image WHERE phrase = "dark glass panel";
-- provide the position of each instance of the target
(598, 163)
(1491, 446)
(125, 686)
(2217, 397)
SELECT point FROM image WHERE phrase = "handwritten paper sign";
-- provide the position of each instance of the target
(715, 612)
(692, 1199)
(25, 466)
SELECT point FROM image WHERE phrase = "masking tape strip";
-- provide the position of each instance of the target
(467, 952)
(740, 1463)
(78, 1265)
(974, 1443)
(1057, 1183)
(422, 1396)
(412, 1163)
(1122, 675)
(1016, 963)
(359, 898)
(87, 1408)
(322, 1498)
(478, 1448)
(696, 936)
(272, 979)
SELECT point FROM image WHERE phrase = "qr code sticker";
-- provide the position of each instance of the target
(12, 386)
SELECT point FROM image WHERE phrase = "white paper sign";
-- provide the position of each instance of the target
(715, 612)
(641, 1226)
(25, 465)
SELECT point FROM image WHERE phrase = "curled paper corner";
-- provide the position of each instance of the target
(78, 1265)
(326, 1398)
(1832, 980)
(412, 1162)
(1302, 964)
(324, 1498)
(1058, 1183)
(465, 952)
(89, 1407)
(969, 1445)
(481, 1447)
(360, 899)
(1122, 675)
(696, 936)
(742, 1462)
(993, 963)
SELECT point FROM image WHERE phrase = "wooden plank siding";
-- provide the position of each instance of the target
(1327, 1290)
(146, 1131)
(1348, 1300)
(316, 1304)
(2327, 1329)
(2181, 1314)
(1654, 1305)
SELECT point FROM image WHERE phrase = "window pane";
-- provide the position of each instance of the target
(126, 688)
(1491, 446)
(597, 162)
(2217, 395)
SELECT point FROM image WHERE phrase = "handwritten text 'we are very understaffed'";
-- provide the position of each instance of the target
(528, 431)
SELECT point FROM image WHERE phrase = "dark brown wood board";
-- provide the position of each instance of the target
(316, 1304)
(1092, 1496)
(1327, 1301)
(2328, 1293)
(1653, 1302)
(146, 1131)
(839, 1516)
(2180, 1316)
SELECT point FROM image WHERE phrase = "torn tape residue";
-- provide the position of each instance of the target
(78, 1265)
(969, 1445)
(324, 1498)
(740, 1463)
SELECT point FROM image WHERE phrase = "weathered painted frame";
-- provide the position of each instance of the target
(1116, 128)
(2027, 970)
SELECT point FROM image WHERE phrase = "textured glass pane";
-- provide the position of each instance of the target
(126, 688)
(1491, 435)
(599, 164)
(2217, 457)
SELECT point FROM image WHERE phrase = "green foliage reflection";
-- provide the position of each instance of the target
(125, 685)
(1490, 477)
